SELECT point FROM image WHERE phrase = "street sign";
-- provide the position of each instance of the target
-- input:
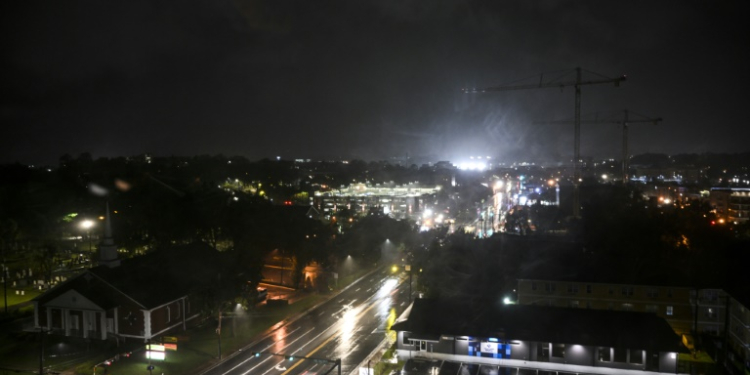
(170, 346)
(169, 339)
(157, 356)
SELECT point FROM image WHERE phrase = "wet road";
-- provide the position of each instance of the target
(348, 327)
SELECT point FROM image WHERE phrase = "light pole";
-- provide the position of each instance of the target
(87, 225)
(41, 350)
(408, 268)
(5, 286)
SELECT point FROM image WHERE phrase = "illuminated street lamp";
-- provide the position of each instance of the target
(87, 225)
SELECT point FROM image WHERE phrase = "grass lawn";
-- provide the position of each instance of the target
(21, 351)
(15, 299)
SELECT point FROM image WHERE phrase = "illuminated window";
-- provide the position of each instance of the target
(670, 310)
(627, 306)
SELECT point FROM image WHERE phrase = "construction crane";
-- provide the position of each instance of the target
(626, 121)
(558, 83)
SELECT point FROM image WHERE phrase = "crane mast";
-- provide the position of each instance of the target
(577, 124)
(625, 122)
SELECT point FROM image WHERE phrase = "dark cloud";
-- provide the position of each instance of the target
(366, 79)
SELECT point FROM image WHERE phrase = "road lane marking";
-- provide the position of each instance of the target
(275, 342)
(371, 300)
(327, 340)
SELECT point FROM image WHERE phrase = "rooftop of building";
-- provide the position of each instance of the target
(151, 280)
(431, 318)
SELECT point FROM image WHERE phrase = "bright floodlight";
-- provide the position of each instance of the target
(498, 184)
(87, 224)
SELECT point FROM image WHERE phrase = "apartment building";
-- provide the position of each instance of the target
(678, 305)
(731, 203)
(712, 311)
(738, 330)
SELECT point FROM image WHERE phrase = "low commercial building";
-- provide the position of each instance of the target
(537, 337)
(398, 201)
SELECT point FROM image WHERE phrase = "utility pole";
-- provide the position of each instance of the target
(218, 329)
(41, 350)
(408, 268)
(218, 332)
(5, 285)
(149, 367)
(557, 83)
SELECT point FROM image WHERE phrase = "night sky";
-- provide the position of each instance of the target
(366, 79)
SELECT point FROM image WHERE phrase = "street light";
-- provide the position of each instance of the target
(87, 225)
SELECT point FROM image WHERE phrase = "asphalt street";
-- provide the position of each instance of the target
(348, 327)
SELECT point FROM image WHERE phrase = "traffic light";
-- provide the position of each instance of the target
(290, 358)
(256, 354)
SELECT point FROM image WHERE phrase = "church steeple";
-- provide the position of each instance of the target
(107, 248)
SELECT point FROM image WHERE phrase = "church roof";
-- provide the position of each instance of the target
(150, 281)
